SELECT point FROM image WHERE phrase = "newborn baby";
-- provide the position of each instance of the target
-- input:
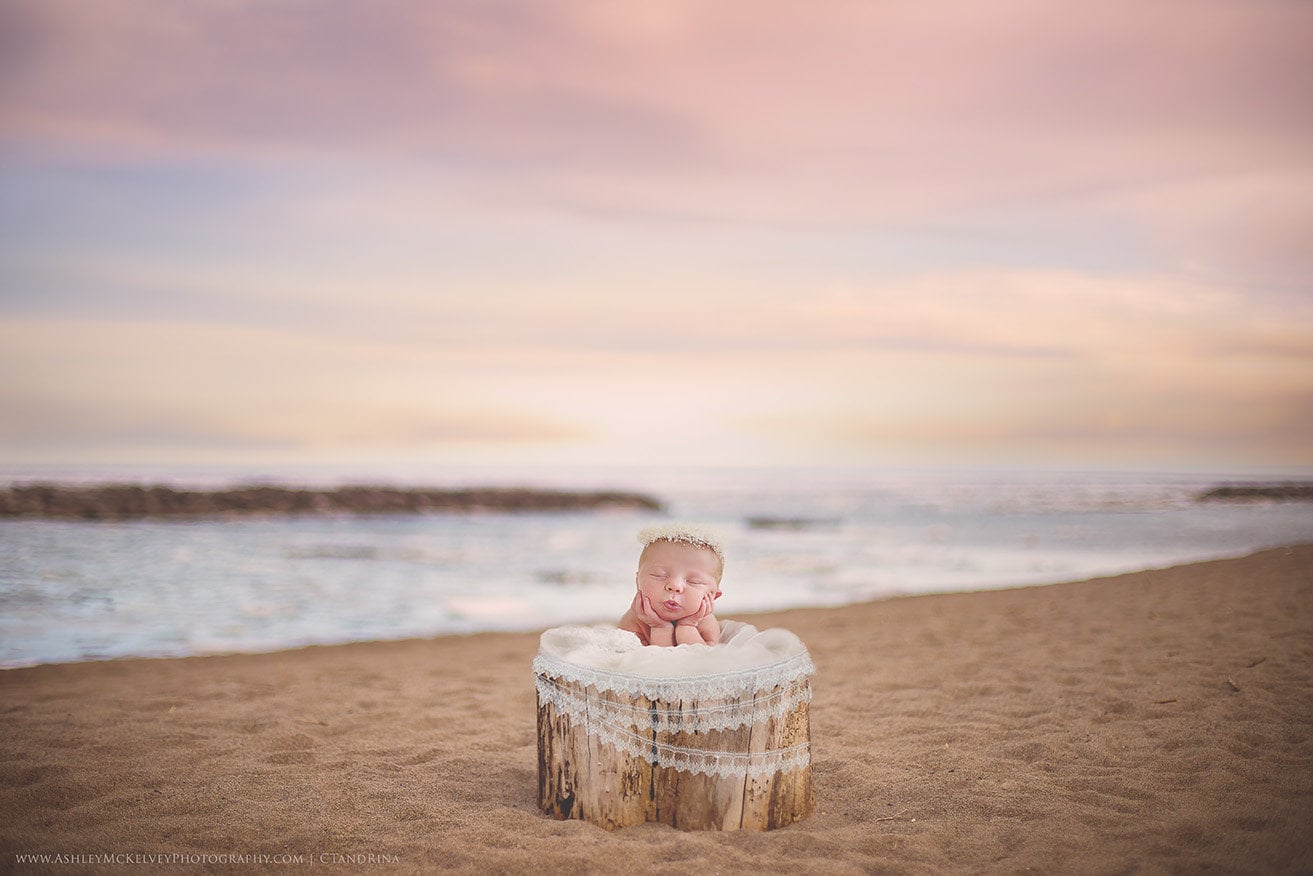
(678, 583)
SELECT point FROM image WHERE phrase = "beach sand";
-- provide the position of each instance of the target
(1158, 721)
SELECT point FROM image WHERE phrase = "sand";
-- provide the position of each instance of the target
(1159, 721)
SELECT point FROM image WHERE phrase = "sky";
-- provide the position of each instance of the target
(1008, 232)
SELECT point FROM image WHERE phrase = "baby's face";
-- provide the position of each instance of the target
(674, 576)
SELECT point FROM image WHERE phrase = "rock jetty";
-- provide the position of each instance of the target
(129, 501)
(1287, 492)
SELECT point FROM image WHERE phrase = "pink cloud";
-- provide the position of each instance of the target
(854, 90)
(868, 115)
(545, 192)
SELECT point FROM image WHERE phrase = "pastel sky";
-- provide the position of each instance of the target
(1000, 232)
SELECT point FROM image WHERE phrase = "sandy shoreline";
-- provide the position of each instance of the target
(1161, 720)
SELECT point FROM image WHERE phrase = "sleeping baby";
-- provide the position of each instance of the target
(678, 583)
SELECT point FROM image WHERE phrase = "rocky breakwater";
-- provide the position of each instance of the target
(129, 501)
(1284, 492)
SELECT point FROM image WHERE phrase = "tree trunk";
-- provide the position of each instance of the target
(601, 759)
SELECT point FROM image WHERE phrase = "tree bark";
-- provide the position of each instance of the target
(581, 775)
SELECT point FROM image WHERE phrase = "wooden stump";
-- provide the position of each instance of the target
(615, 758)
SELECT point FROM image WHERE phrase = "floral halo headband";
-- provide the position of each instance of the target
(687, 533)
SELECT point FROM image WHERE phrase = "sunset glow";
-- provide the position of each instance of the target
(577, 232)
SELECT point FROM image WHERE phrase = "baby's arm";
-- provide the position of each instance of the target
(642, 621)
(631, 623)
(699, 628)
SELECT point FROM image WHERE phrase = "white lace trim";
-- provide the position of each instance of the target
(691, 718)
(611, 722)
(721, 764)
(740, 698)
(722, 685)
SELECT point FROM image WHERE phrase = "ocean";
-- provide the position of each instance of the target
(74, 591)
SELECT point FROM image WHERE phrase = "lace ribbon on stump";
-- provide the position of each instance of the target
(627, 696)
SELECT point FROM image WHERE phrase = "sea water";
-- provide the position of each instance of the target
(73, 590)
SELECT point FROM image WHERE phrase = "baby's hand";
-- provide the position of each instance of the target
(704, 608)
(644, 612)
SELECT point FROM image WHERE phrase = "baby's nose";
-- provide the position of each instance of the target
(675, 584)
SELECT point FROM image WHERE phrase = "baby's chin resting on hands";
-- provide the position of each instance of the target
(695, 627)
